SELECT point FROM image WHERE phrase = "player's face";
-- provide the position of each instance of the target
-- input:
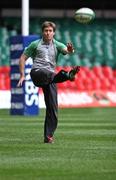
(48, 33)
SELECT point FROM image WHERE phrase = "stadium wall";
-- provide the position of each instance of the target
(68, 94)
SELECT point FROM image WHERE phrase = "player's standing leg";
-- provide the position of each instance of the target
(51, 118)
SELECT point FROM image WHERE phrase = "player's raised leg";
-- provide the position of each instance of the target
(64, 75)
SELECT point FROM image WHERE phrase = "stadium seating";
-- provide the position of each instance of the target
(95, 51)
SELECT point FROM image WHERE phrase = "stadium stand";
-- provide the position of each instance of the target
(94, 43)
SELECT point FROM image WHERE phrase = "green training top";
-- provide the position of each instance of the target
(44, 55)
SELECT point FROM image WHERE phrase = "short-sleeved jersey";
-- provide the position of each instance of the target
(44, 55)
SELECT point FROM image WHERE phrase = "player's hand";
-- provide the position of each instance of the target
(20, 83)
(70, 48)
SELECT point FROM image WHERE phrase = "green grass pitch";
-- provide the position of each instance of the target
(84, 148)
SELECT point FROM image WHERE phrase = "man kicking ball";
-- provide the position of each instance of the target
(44, 53)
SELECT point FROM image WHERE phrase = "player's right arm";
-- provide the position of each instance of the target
(22, 60)
(30, 51)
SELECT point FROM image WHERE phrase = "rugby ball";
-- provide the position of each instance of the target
(84, 15)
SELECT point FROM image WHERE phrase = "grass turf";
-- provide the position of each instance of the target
(84, 148)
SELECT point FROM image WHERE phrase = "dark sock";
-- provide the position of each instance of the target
(61, 77)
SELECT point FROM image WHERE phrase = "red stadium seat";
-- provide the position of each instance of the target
(7, 83)
(82, 73)
(2, 82)
(107, 71)
(63, 85)
(105, 84)
(114, 73)
(96, 84)
(91, 74)
(79, 84)
(113, 84)
(88, 84)
(98, 72)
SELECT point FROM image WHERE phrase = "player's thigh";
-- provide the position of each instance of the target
(41, 77)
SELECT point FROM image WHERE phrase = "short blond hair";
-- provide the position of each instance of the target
(47, 24)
